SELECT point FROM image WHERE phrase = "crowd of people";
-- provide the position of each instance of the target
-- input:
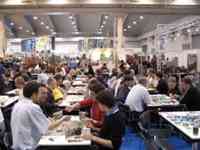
(107, 90)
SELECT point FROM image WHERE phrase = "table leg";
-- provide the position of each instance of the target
(195, 146)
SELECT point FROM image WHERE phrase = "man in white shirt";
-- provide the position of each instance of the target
(139, 96)
(28, 123)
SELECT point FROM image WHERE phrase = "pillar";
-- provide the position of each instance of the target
(118, 37)
(3, 38)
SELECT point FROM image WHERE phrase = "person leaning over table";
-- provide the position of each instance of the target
(28, 122)
(113, 128)
(190, 94)
(97, 116)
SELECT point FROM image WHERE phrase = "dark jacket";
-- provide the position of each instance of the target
(162, 87)
(192, 99)
(113, 129)
(122, 93)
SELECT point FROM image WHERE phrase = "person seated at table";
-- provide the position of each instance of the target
(126, 85)
(97, 116)
(139, 96)
(152, 82)
(59, 79)
(55, 90)
(190, 94)
(28, 122)
(173, 87)
(113, 128)
(19, 84)
(162, 86)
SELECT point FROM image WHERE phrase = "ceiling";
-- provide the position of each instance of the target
(72, 25)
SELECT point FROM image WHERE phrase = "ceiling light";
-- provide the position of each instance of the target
(106, 17)
(52, 30)
(42, 23)
(141, 17)
(47, 27)
(54, 33)
(76, 32)
(99, 32)
(12, 23)
(104, 22)
(73, 22)
(134, 22)
(129, 27)
(20, 28)
(102, 26)
(27, 31)
(35, 17)
(197, 30)
(188, 30)
(70, 17)
(178, 34)
(125, 29)
(33, 33)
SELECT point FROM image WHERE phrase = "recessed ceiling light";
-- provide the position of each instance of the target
(27, 31)
(35, 17)
(102, 26)
(129, 27)
(178, 34)
(33, 33)
(106, 17)
(141, 17)
(73, 22)
(70, 17)
(47, 27)
(99, 32)
(134, 22)
(52, 30)
(104, 22)
(188, 30)
(42, 23)
(54, 33)
(197, 30)
(125, 29)
(12, 23)
(20, 28)
(76, 32)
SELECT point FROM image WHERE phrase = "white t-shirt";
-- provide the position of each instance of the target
(28, 124)
(42, 78)
(137, 98)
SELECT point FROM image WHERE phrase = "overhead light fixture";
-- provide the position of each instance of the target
(134, 22)
(70, 17)
(54, 33)
(12, 23)
(76, 32)
(33, 33)
(141, 17)
(99, 32)
(197, 29)
(47, 27)
(125, 29)
(73, 22)
(102, 26)
(42, 23)
(129, 27)
(188, 30)
(52, 30)
(106, 17)
(20, 28)
(27, 31)
(35, 18)
(178, 34)
(104, 22)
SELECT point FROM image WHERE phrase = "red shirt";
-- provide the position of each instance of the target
(95, 112)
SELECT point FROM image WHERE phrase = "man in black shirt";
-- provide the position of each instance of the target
(191, 95)
(112, 131)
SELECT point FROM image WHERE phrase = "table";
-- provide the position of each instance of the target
(6, 100)
(57, 139)
(77, 91)
(185, 122)
(79, 83)
(159, 101)
(70, 99)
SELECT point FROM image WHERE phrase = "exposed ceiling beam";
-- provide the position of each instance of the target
(9, 27)
(52, 23)
(29, 20)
